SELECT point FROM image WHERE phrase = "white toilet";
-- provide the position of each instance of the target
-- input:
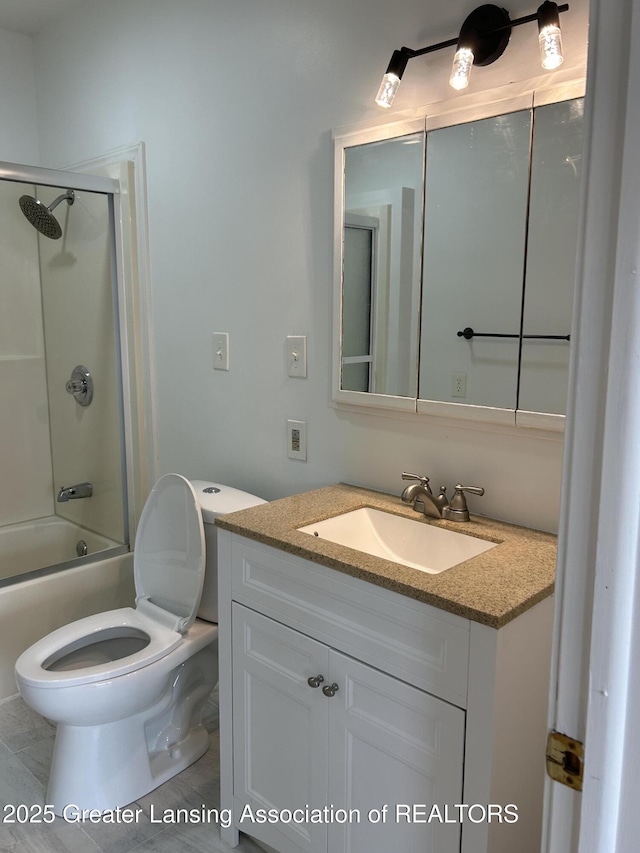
(127, 687)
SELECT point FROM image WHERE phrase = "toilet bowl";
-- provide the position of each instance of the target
(127, 687)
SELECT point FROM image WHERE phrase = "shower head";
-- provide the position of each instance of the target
(41, 216)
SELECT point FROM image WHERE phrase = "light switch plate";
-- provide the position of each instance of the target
(221, 351)
(297, 356)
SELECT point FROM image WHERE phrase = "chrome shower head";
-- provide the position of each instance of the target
(41, 216)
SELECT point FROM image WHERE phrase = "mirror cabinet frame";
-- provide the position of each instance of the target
(448, 113)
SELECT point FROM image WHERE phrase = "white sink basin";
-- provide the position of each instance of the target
(402, 540)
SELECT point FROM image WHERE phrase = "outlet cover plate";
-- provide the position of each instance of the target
(297, 440)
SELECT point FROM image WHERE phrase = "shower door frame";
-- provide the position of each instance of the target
(39, 176)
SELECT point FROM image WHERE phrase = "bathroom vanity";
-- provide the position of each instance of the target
(370, 706)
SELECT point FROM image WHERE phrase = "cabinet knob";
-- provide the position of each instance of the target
(315, 680)
(330, 689)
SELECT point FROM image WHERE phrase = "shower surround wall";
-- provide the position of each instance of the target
(25, 453)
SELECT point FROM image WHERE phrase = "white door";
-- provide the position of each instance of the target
(279, 730)
(595, 695)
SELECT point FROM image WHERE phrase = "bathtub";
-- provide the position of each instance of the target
(43, 543)
(34, 606)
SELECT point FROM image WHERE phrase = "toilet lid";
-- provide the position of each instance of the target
(169, 554)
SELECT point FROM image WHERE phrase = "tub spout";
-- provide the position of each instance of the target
(70, 493)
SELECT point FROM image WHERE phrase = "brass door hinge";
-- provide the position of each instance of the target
(565, 760)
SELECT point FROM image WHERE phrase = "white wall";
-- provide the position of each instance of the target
(18, 128)
(235, 102)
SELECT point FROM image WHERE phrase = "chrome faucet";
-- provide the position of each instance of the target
(438, 506)
(71, 493)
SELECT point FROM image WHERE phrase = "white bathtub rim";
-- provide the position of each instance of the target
(101, 547)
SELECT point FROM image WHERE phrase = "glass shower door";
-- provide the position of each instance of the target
(64, 495)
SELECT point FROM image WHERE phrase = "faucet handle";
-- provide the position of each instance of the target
(457, 509)
(473, 490)
(421, 477)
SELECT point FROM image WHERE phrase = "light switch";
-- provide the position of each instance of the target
(297, 356)
(221, 351)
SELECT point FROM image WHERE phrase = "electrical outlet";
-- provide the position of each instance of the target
(297, 356)
(221, 351)
(458, 384)
(297, 440)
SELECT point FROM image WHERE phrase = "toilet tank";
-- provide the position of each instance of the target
(216, 499)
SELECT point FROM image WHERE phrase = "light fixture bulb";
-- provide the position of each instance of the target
(550, 41)
(461, 70)
(549, 35)
(387, 90)
(392, 77)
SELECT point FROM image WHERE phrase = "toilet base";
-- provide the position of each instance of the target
(126, 771)
(104, 767)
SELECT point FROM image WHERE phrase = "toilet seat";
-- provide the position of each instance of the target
(168, 565)
(122, 623)
(169, 554)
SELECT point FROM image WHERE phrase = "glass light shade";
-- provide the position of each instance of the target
(387, 90)
(461, 71)
(550, 41)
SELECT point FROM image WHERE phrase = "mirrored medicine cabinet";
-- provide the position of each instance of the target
(455, 241)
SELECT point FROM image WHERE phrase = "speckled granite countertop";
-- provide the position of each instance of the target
(492, 588)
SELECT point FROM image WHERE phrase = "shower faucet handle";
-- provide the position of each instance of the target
(80, 385)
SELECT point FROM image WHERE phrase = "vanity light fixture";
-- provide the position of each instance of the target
(483, 38)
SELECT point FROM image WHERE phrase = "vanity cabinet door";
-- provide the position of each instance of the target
(374, 741)
(393, 745)
(279, 729)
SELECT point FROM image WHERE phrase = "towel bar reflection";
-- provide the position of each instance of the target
(469, 333)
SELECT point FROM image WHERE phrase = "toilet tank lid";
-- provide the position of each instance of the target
(217, 499)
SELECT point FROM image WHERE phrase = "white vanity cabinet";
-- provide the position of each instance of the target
(380, 712)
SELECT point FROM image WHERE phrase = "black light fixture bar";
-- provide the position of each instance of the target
(432, 48)
(482, 39)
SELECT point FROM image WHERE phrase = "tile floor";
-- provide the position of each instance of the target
(26, 744)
